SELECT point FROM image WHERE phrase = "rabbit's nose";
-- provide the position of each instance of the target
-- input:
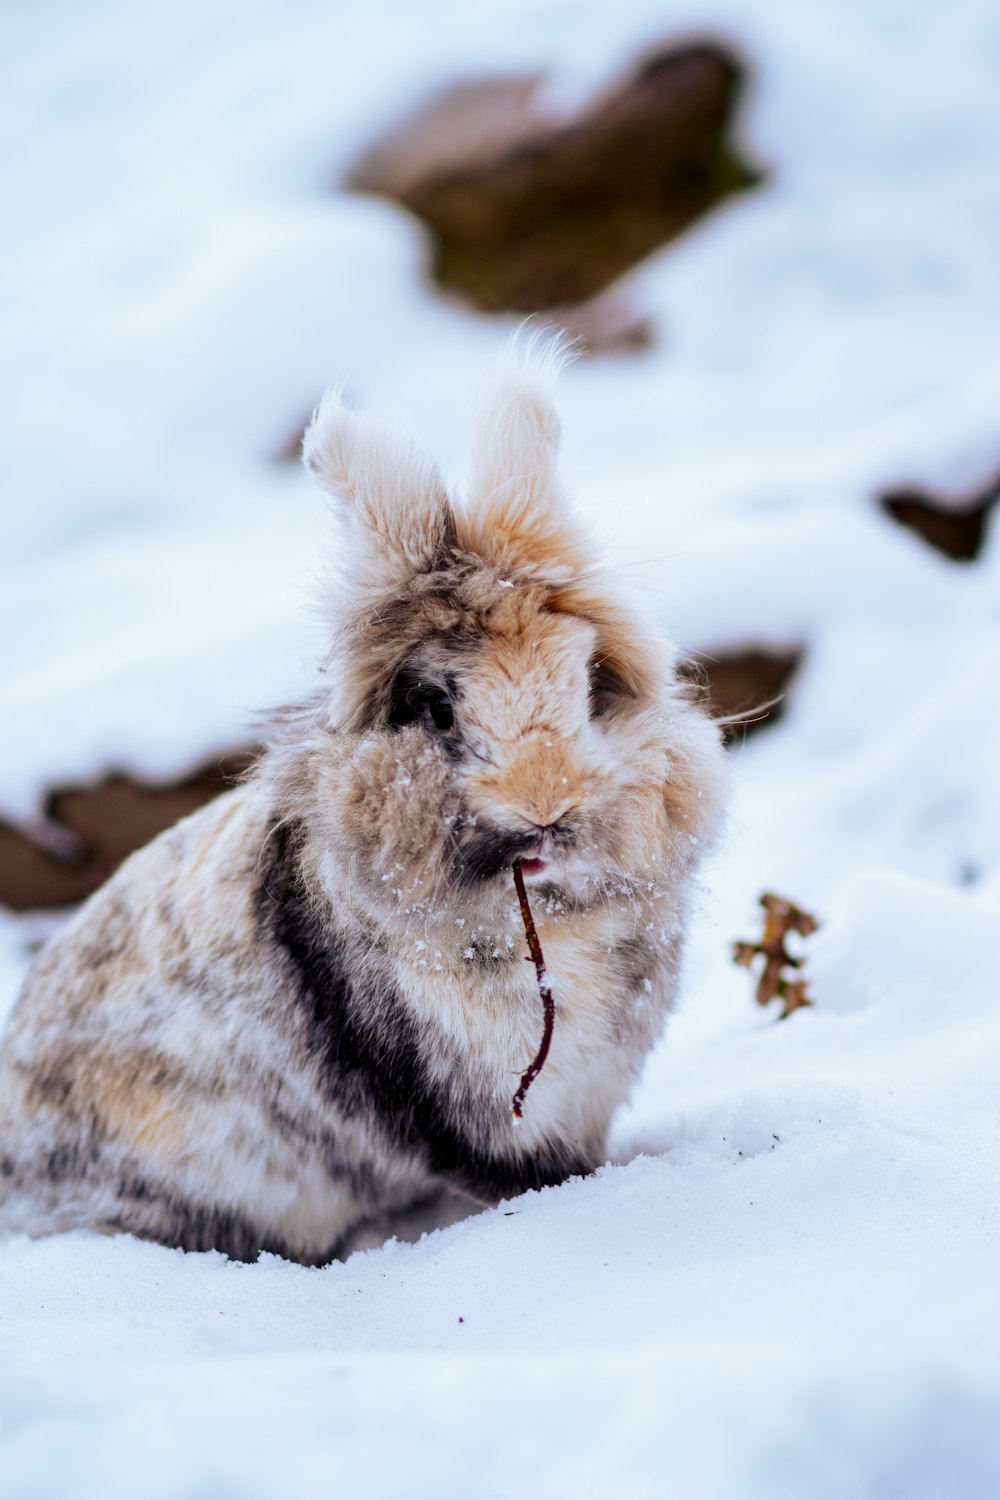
(552, 822)
(546, 818)
(540, 784)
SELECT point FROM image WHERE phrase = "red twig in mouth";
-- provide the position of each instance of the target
(544, 989)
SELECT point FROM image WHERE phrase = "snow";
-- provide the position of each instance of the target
(784, 1285)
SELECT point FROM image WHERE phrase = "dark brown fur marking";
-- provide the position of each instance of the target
(373, 1056)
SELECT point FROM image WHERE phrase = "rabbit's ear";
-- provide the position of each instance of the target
(394, 491)
(517, 516)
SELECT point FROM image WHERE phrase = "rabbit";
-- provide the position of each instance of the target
(306, 1007)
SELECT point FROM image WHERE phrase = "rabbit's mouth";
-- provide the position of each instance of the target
(486, 852)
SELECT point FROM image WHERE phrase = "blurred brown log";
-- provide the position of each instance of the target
(86, 832)
(954, 525)
(748, 686)
(544, 216)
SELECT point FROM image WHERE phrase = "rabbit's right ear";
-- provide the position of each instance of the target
(394, 492)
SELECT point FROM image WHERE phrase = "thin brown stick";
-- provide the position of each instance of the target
(544, 989)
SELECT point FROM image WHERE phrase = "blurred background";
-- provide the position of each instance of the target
(773, 231)
(774, 236)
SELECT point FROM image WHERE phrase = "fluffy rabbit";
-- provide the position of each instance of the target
(307, 1006)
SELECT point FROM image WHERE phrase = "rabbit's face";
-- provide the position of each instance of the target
(518, 729)
(533, 739)
(530, 765)
(492, 703)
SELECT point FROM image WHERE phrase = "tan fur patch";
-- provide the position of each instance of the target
(125, 1092)
(146, 1121)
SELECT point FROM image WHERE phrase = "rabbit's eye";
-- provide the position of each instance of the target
(414, 701)
(438, 712)
(606, 689)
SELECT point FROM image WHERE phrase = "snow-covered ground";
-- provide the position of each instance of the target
(786, 1284)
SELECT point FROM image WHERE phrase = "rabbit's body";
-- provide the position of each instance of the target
(307, 1006)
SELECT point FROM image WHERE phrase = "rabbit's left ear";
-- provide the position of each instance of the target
(517, 516)
(394, 491)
